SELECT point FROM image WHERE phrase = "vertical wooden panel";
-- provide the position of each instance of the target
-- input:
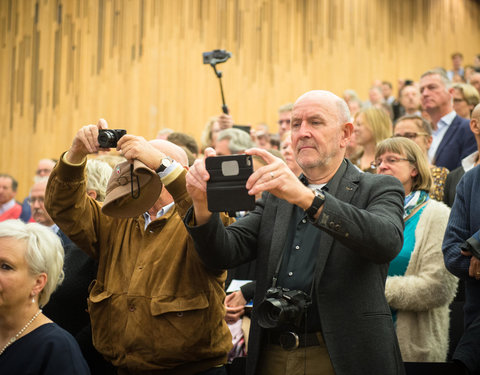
(137, 63)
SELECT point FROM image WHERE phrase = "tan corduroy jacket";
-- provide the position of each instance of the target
(155, 308)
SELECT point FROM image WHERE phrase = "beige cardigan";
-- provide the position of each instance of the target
(423, 294)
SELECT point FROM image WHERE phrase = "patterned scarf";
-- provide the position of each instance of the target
(413, 200)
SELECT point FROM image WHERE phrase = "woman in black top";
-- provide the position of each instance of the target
(31, 262)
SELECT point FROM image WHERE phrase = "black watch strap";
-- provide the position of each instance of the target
(164, 164)
(318, 201)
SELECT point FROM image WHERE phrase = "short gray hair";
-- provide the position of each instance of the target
(98, 173)
(240, 140)
(441, 73)
(44, 252)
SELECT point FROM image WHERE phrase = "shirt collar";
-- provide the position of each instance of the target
(446, 120)
(334, 181)
(163, 211)
(6, 206)
(469, 161)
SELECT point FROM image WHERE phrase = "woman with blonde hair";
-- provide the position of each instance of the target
(419, 130)
(214, 125)
(419, 289)
(31, 267)
(372, 125)
(465, 98)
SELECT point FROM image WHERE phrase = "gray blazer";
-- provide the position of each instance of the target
(363, 220)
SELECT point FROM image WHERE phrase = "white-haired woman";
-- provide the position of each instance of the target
(31, 267)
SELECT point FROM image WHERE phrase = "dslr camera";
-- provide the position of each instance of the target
(281, 307)
(108, 138)
(217, 56)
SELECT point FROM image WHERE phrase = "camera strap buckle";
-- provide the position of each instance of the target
(289, 340)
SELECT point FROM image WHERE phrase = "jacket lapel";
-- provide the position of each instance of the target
(449, 135)
(344, 192)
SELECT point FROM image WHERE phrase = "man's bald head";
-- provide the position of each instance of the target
(476, 112)
(323, 96)
(172, 150)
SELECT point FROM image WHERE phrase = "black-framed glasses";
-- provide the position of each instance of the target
(410, 135)
(388, 161)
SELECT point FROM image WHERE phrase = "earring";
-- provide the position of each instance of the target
(33, 298)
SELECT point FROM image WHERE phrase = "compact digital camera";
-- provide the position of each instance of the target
(108, 138)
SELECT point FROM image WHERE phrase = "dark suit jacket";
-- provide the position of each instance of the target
(363, 231)
(457, 143)
(451, 182)
(68, 304)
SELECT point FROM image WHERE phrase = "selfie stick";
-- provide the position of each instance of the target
(219, 75)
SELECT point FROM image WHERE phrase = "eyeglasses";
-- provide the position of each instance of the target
(458, 100)
(410, 135)
(42, 171)
(388, 161)
(287, 121)
(31, 201)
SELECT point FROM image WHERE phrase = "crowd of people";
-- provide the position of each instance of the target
(365, 231)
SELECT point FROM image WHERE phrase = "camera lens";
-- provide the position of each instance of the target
(271, 313)
(106, 137)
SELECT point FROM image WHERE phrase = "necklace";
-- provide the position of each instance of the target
(14, 338)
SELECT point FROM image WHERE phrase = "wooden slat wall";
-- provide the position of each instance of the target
(137, 63)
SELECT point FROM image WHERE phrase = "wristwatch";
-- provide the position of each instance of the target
(164, 164)
(318, 201)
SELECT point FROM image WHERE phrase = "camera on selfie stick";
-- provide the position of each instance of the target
(213, 58)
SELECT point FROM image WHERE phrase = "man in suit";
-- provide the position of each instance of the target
(461, 252)
(452, 138)
(468, 162)
(329, 234)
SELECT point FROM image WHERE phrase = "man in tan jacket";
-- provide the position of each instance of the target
(155, 308)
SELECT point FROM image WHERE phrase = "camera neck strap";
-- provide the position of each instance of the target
(137, 194)
(275, 280)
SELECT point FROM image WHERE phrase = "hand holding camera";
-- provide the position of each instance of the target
(85, 142)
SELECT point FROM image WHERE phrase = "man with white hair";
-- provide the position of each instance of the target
(323, 242)
(452, 138)
(155, 307)
(44, 168)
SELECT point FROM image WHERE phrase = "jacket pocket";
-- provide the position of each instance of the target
(181, 322)
(163, 305)
(99, 308)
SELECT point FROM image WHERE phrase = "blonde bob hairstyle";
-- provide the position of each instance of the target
(404, 146)
(44, 252)
(378, 121)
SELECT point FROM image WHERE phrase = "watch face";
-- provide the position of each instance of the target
(166, 163)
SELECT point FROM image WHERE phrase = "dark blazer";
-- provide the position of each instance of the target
(457, 143)
(68, 304)
(364, 227)
(464, 222)
(451, 182)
